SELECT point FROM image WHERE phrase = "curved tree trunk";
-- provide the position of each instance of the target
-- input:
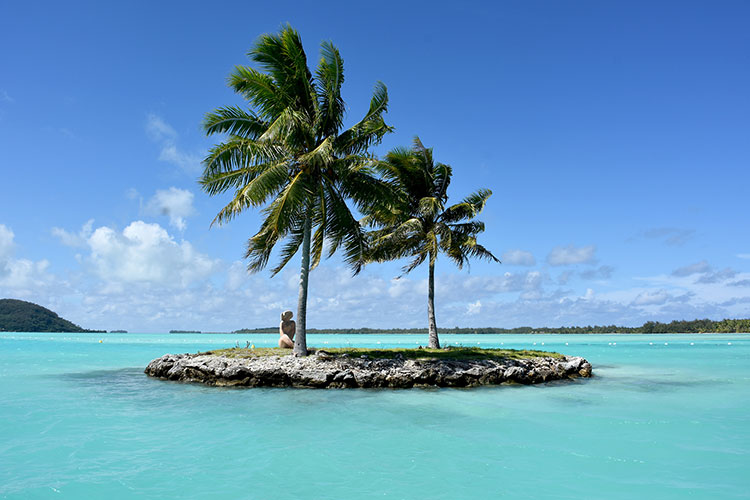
(300, 339)
(434, 342)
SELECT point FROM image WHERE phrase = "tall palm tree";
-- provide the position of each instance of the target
(288, 152)
(414, 222)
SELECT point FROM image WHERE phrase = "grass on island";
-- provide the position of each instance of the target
(452, 353)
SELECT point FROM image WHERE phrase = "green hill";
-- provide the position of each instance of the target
(21, 316)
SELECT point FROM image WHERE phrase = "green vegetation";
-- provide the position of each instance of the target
(417, 224)
(289, 149)
(454, 353)
(22, 316)
(695, 326)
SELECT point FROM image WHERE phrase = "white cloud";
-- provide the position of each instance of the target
(564, 256)
(6, 243)
(74, 239)
(159, 130)
(474, 309)
(656, 297)
(23, 275)
(237, 275)
(175, 203)
(743, 255)
(19, 276)
(4, 97)
(518, 258)
(146, 253)
(163, 134)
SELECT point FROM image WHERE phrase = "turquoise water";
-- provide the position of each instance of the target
(79, 419)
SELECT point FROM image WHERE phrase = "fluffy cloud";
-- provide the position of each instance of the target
(78, 239)
(655, 297)
(146, 253)
(6, 243)
(175, 203)
(474, 309)
(163, 134)
(565, 256)
(19, 276)
(518, 258)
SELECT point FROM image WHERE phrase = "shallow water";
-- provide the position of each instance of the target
(666, 416)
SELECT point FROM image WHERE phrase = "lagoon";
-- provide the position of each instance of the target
(665, 416)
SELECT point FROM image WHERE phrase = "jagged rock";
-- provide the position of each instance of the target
(330, 370)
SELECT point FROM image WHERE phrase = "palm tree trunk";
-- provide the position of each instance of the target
(434, 342)
(300, 339)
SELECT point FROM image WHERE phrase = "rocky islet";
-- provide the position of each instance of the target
(323, 369)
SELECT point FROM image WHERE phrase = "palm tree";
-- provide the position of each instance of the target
(289, 154)
(414, 222)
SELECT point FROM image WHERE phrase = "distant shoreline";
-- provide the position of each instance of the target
(385, 332)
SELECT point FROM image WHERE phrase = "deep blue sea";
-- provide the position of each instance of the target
(665, 417)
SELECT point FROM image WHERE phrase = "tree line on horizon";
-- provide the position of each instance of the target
(677, 326)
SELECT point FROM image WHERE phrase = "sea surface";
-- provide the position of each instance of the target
(664, 417)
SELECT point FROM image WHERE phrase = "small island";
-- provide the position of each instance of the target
(368, 368)
(21, 316)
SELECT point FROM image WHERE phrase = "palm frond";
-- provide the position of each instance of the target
(257, 192)
(291, 127)
(235, 121)
(260, 89)
(429, 207)
(330, 77)
(320, 157)
(293, 243)
(287, 210)
(474, 249)
(283, 57)
(416, 262)
(370, 129)
(238, 153)
(441, 178)
(468, 208)
(466, 229)
(344, 231)
(320, 220)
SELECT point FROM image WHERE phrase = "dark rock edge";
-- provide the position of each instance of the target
(323, 370)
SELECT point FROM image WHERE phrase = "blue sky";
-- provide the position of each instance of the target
(615, 137)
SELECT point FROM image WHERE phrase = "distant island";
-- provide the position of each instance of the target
(695, 326)
(185, 331)
(21, 316)
(118, 331)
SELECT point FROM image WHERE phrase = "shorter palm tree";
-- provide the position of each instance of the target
(414, 222)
